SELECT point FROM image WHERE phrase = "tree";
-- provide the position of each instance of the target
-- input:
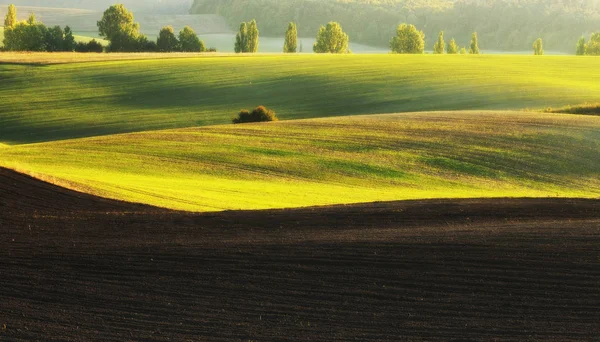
(117, 25)
(252, 36)
(91, 46)
(55, 39)
(440, 47)
(474, 50)
(291, 39)
(189, 41)
(408, 40)
(241, 39)
(593, 46)
(167, 41)
(580, 47)
(69, 40)
(11, 17)
(331, 39)
(452, 47)
(538, 47)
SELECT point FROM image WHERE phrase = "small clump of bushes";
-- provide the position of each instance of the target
(259, 114)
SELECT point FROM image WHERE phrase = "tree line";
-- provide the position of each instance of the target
(407, 40)
(32, 35)
(117, 26)
(507, 25)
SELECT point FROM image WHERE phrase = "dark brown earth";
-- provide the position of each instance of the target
(74, 267)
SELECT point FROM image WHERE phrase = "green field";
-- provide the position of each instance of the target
(45, 103)
(330, 161)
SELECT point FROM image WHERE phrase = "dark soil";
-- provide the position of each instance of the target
(74, 267)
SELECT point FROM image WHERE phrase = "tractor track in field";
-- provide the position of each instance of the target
(74, 267)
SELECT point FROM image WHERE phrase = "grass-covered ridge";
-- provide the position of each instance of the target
(330, 161)
(44, 103)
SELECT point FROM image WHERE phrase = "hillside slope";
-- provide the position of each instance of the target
(330, 161)
(44, 103)
(78, 268)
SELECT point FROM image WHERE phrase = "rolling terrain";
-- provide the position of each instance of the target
(52, 102)
(330, 161)
(78, 267)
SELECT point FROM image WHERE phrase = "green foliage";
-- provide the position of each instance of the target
(463, 51)
(509, 25)
(167, 41)
(11, 17)
(538, 47)
(241, 39)
(55, 39)
(440, 47)
(69, 40)
(408, 40)
(331, 39)
(252, 36)
(474, 49)
(26, 36)
(580, 47)
(290, 44)
(592, 48)
(452, 47)
(259, 114)
(91, 46)
(117, 25)
(189, 41)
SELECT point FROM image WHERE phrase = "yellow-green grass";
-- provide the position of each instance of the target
(53, 102)
(330, 161)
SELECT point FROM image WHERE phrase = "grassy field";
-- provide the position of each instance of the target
(330, 161)
(45, 103)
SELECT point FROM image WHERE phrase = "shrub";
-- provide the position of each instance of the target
(91, 46)
(259, 114)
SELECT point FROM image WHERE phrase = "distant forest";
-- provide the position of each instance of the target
(508, 25)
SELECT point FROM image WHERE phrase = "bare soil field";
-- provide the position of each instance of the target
(74, 267)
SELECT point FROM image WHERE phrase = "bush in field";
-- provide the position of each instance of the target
(167, 41)
(452, 47)
(291, 39)
(474, 50)
(29, 35)
(408, 40)
(91, 46)
(463, 51)
(331, 39)
(538, 47)
(440, 47)
(189, 41)
(259, 114)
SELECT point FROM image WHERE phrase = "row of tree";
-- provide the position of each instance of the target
(120, 29)
(117, 26)
(592, 48)
(32, 35)
(509, 25)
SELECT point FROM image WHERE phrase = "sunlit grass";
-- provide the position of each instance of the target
(330, 161)
(53, 102)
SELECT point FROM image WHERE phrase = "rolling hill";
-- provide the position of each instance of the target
(52, 102)
(330, 161)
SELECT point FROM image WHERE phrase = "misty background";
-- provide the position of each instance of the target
(502, 25)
